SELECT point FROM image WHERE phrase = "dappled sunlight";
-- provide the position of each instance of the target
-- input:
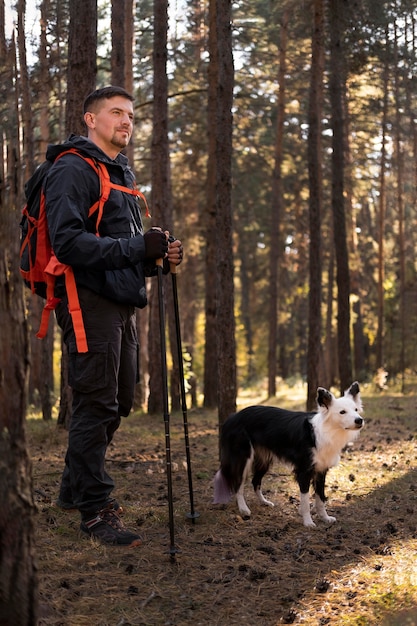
(353, 593)
(267, 570)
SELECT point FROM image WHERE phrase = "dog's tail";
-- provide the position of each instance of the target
(236, 455)
(222, 491)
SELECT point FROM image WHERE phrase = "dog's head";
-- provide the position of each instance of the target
(345, 411)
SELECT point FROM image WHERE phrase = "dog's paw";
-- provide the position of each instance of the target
(245, 512)
(308, 522)
(329, 519)
(263, 500)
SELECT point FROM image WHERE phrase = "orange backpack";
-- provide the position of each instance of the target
(39, 266)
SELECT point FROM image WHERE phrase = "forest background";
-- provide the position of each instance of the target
(323, 181)
(278, 140)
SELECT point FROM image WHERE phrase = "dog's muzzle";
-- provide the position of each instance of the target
(359, 422)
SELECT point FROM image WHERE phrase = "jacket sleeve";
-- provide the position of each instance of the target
(71, 188)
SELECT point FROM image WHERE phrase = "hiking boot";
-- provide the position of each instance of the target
(108, 528)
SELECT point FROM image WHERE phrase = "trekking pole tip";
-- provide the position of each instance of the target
(173, 551)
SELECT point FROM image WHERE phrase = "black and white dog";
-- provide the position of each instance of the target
(310, 442)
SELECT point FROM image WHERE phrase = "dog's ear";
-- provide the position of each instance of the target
(353, 389)
(355, 393)
(324, 397)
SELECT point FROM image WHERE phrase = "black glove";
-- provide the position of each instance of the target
(156, 244)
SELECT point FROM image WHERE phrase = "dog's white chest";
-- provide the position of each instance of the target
(325, 457)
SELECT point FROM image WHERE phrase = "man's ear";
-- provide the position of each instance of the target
(89, 119)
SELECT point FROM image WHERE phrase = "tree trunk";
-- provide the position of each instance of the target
(337, 85)
(275, 253)
(162, 215)
(330, 360)
(118, 45)
(18, 572)
(43, 94)
(141, 390)
(210, 333)
(400, 209)
(122, 54)
(225, 322)
(40, 380)
(381, 214)
(81, 77)
(65, 401)
(82, 66)
(315, 205)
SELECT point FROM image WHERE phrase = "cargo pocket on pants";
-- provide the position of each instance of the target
(88, 371)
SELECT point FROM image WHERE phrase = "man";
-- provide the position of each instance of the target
(110, 274)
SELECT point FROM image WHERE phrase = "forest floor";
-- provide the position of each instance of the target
(268, 570)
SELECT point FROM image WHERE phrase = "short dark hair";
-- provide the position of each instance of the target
(105, 93)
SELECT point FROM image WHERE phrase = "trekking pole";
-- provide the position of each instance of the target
(172, 549)
(192, 514)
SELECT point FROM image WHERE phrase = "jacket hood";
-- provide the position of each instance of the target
(87, 147)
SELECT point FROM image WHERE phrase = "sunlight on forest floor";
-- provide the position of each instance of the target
(269, 570)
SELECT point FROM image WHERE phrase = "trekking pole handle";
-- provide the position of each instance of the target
(172, 266)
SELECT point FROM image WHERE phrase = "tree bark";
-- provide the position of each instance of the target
(210, 333)
(275, 253)
(382, 213)
(118, 46)
(81, 77)
(398, 151)
(82, 65)
(337, 85)
(161, 201)
(225, 322)
(315, 204)
(18, 572)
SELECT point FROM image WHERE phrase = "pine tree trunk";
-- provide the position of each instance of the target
(315, 205)
(381, 217)
(275, 253)
(18, 572)
(82, 64)
(162, 216)
(225, 321)
(337, 85)
(82, 53)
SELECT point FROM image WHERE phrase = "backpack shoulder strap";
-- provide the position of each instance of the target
(106, 185)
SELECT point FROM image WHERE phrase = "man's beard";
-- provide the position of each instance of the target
(120, 142)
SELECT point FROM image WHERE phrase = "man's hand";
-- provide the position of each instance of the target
(175, 251)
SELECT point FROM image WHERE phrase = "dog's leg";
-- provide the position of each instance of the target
(244, 510)
(305, 510)
(304, 480)
(262, 464)
(320, 499)
(262, 498)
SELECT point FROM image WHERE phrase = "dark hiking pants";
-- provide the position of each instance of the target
(103, 382)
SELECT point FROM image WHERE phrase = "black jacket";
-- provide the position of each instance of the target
(112, 264)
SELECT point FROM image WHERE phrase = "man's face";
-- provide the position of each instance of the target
(110, 126)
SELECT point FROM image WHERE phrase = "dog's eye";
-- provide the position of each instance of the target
(342, 412)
